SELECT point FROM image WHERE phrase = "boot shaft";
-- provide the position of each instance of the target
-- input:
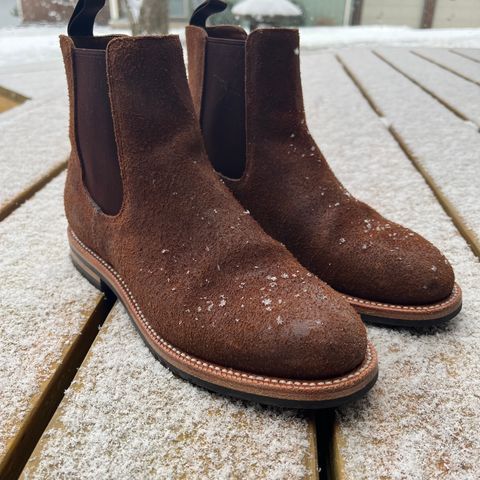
(247, 91)
(165, 175)
(128, 115)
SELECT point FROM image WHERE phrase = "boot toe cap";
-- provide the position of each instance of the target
(388, 263)
(434, 278)
(317, 336)
(414, 272)
(323, 348)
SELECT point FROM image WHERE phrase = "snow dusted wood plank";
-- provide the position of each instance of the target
(6, 102)
(33, 136)
(445, 148)
(472, 53)
(455, 92)
(44, 307)
(38, 80)
(455, 63)
(10, 99)
(421, 420)
(126, 416)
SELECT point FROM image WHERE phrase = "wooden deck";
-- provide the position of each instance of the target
(400, 127)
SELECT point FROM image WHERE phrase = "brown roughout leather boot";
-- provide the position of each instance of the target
(217, 300)
(248, 96)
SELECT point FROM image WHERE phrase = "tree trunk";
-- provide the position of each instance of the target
(153, 18)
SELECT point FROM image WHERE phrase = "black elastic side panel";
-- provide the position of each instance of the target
(223, 106)
(94, 130)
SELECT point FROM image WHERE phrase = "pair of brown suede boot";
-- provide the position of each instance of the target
(227, 289)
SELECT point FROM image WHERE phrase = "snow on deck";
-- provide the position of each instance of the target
(266, 8)
(34, 135)
(337, 37)
(43, 303)
(126, 416)
(446, 146)
(422, 418)
(451, 61)
(444, 85)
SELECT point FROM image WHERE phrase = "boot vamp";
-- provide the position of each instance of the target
(294, 195)
(361, 253)
(225, 292)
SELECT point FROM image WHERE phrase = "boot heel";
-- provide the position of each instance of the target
(89, 273)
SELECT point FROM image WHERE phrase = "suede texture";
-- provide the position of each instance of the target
(292, 192)
(207, 277)
(196, 44)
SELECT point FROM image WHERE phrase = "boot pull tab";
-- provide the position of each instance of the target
(83, 17)
(205, 10)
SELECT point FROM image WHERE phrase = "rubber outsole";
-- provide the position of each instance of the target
(336, 391)
(395, 322)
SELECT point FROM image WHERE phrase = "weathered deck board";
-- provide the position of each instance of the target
(6, 102)
(37, 80)
(444, 147)
(472, 53)
(455, 63)
(126, 417)
(10, 99)
(44, 306)
(33, 136)
(453, 91)
(422, 418)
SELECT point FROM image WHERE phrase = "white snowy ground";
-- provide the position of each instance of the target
(43, 304)
(337, 37)
(32, 44)
(19, 45)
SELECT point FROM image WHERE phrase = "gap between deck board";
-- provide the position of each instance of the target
(10, 99)
(28, 193)
(448, 207)
(446, 104)
(324, 421)
(34, 424)
(465, 55)
(444, 66)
